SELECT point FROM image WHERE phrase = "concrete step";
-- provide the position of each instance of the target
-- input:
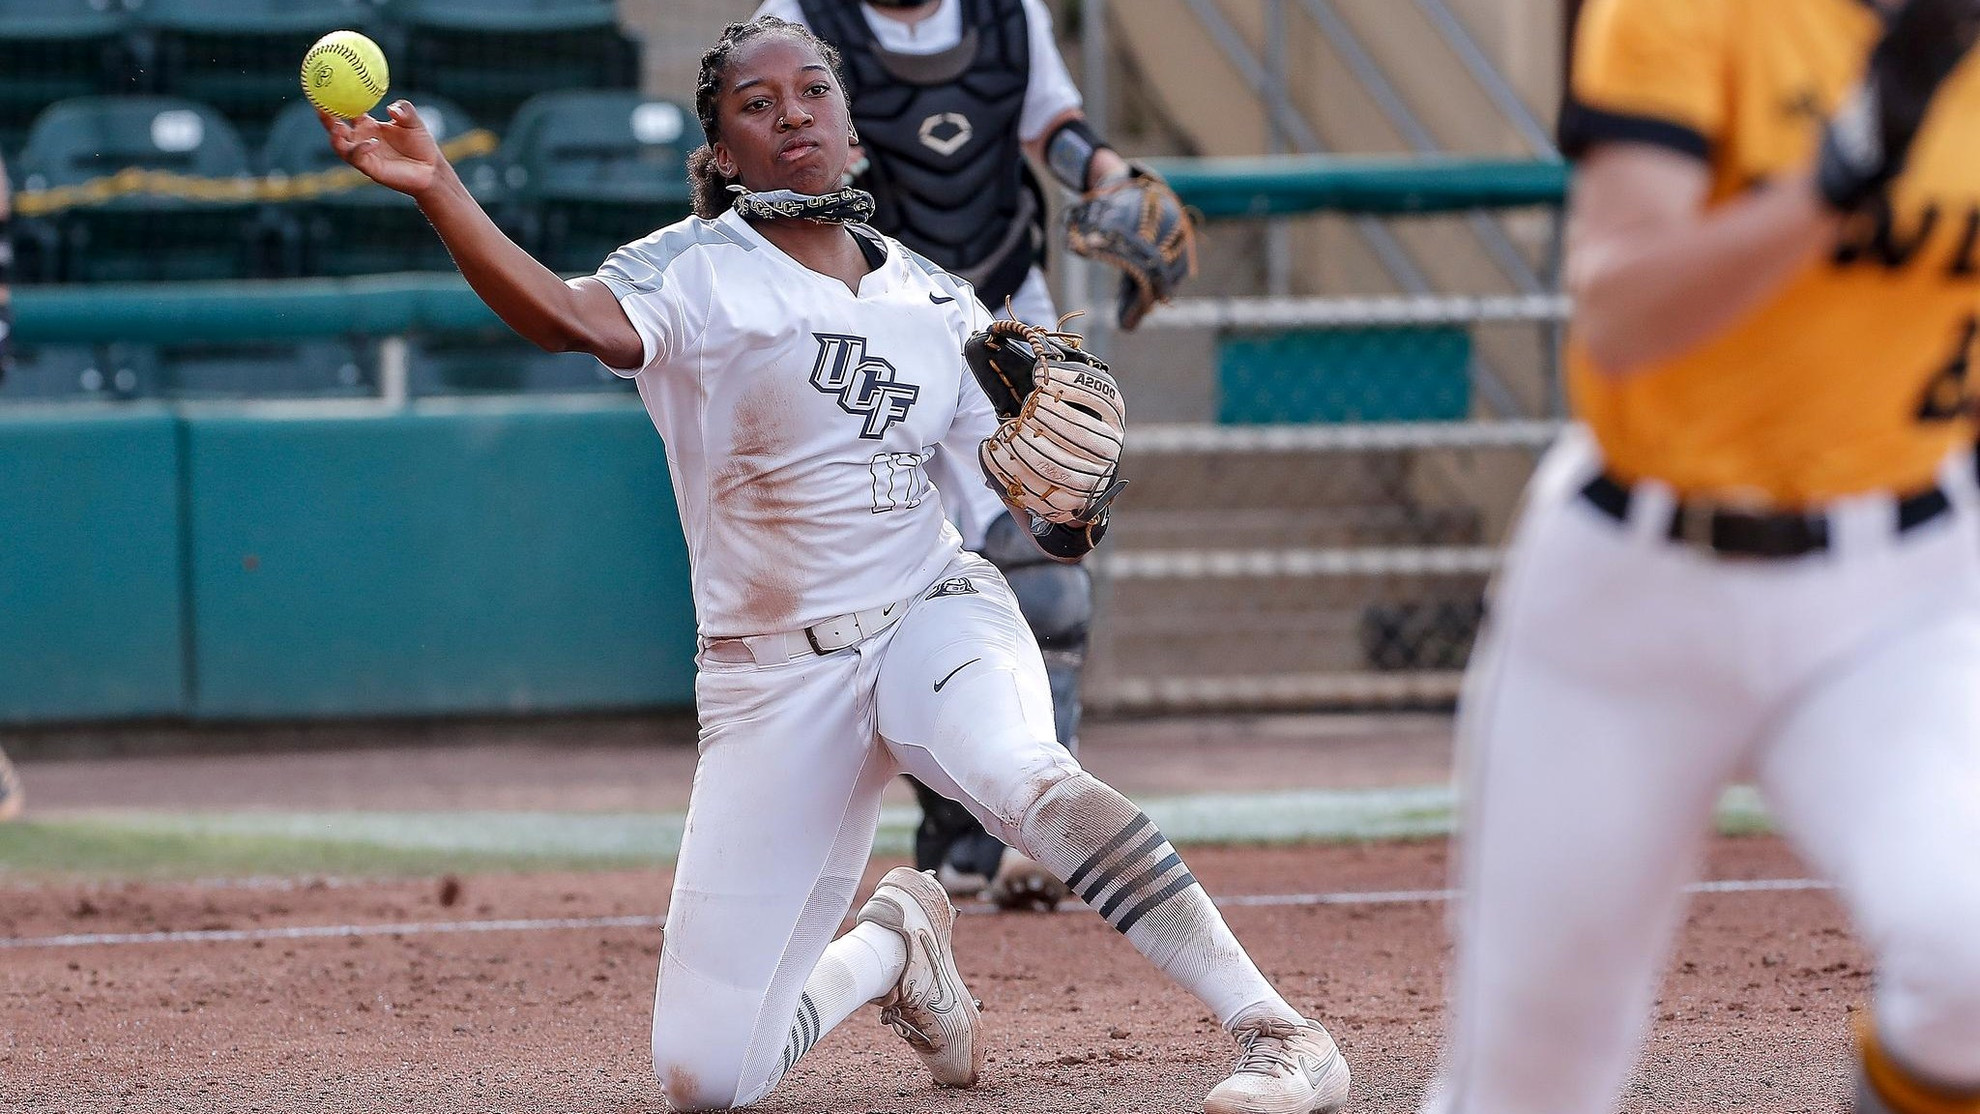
(1203, 627)
(1222, 527)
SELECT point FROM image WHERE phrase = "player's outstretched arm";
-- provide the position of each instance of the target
(558, 316)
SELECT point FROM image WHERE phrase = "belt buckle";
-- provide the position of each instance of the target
(1694, 521)
(837, 623)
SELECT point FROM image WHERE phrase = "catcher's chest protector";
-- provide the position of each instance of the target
(941, 131)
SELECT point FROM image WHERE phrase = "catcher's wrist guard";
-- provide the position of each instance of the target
(1138, 225)
(1067, 543)
(1057, 448)
(1866, 143)
(1069, 153)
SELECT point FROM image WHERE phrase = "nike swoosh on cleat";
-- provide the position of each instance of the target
(953, 672)
(945, 996)
(1313, 1068)
(939, 301)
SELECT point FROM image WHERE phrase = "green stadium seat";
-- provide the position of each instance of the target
(367, 229)
(500, 361)
(492, 56)
(595, 169)
(505, 15)
(318, 369)
(71, 371)
(143, 237)
(52, 50)
(241, 56)
(34, 241)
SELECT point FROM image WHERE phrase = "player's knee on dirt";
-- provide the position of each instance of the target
(685, 1087)
(702, 1033)
(1928, 998)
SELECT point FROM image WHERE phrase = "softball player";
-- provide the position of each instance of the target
(802, 371)
(1758, 550)
(949, 97)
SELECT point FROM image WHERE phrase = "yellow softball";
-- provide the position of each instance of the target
(344, 74)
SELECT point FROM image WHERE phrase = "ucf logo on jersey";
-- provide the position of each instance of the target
(864, 384)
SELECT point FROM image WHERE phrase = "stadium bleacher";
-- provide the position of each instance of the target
(367, 229)
(591, 169)
(167, 140)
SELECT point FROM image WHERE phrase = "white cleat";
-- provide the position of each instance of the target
(1283, 1067)
(930, 1007)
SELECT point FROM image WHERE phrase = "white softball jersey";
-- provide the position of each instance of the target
(800, 418)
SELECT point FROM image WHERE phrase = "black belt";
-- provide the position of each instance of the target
(1734, 533)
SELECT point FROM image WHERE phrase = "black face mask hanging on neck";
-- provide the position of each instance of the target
(846, 206)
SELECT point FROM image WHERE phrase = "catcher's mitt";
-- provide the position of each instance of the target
(1138, 224)
(1056, 452)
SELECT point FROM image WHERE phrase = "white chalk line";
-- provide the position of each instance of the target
(567, 924)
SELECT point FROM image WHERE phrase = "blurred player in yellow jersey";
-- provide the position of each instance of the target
(1758, 548)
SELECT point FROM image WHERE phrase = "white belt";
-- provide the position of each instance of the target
(823, 637)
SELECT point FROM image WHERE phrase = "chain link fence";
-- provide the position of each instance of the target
(1316, 529)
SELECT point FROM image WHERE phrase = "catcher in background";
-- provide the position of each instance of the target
(802, 370)
(948, 98)
(1759, 549)
(12, 797)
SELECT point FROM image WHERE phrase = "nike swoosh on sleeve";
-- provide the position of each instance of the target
(939, 301)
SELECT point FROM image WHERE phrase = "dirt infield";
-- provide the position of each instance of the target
(543, 1019)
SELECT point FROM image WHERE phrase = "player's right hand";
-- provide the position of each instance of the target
(398, 153)
(1865, 145)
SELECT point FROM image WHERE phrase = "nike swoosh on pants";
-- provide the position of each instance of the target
(953, 672)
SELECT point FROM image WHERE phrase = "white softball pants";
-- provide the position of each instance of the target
(1623, 681)
(786, 800)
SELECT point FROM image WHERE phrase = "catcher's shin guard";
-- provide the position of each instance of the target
(950, 842)
(1883, 1086)
(1057, 602)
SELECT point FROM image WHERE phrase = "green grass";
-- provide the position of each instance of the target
(361, 844)
(36, 850)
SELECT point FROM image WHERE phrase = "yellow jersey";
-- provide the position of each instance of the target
(1853, 377)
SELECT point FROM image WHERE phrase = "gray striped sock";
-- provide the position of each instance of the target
(1115, 858)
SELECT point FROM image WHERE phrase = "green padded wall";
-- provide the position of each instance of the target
(504, 556)
(91, 623)
(1374, 374)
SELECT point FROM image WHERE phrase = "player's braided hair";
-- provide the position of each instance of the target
(711, 189)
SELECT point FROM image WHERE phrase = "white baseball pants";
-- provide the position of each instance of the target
(1624, 679)
(786, 799)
